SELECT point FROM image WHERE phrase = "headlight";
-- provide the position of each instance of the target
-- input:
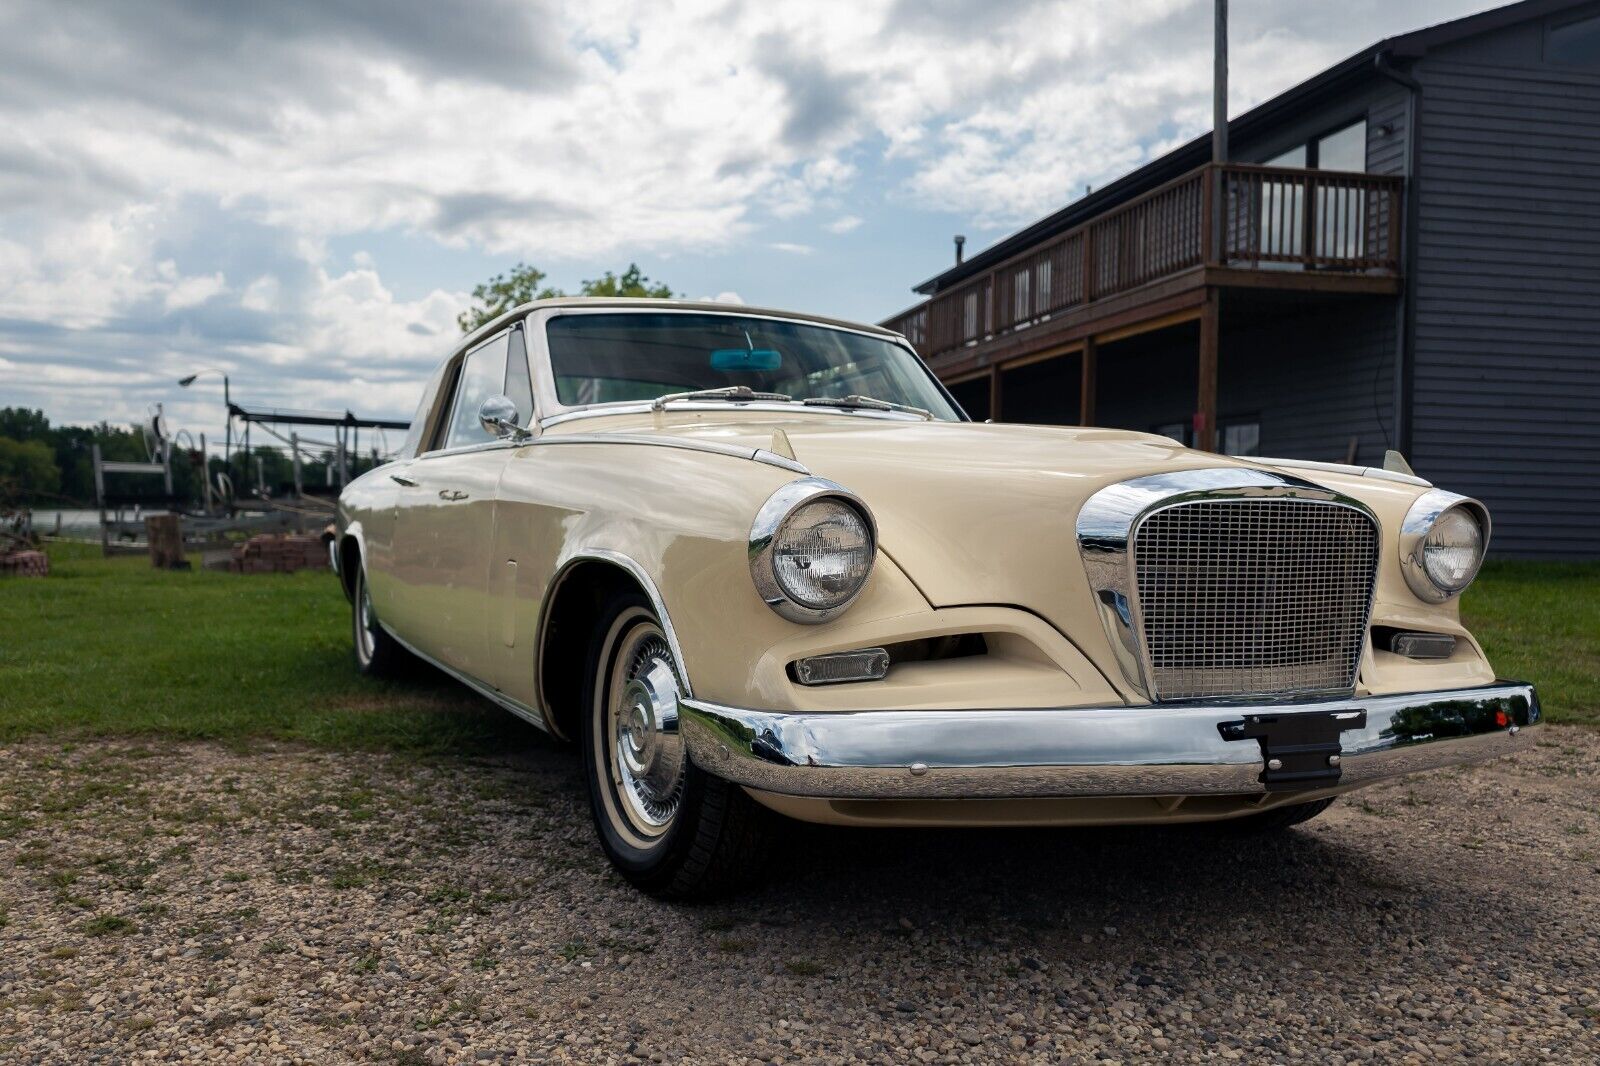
(1442, 544)
(811, 549)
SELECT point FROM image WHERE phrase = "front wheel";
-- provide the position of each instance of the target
(671, 829)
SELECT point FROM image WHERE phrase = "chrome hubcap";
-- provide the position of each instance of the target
(649, 757)
(364, 622)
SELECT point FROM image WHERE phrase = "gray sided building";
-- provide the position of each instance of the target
(1402, 252)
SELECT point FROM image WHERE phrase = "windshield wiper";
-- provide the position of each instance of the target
(734, 393)
(865, 403)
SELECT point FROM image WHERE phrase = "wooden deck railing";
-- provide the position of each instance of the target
(1273, 218)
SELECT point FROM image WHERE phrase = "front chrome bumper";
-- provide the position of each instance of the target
(1159, 750)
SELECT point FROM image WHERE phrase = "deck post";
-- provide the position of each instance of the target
(1205, 415)
(994, 393)
(1086, 387)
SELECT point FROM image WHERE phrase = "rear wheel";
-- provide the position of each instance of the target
(377, 653)
(670, 828)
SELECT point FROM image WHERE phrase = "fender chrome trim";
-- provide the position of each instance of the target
(1155, 750)
(646, 582)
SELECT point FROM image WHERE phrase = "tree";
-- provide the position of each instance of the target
(632, 283)
(27, 468)
(525, 283)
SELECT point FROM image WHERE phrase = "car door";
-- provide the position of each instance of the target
(444, 518)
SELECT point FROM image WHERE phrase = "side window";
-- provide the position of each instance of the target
(519, 386)
(419, 422)
(483, 374)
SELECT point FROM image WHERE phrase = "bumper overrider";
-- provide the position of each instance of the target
(1156, 750)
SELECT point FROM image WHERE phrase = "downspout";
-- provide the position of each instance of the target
(1406, 339)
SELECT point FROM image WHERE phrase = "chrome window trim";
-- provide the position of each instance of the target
(553, 411)
(770, 518)
(1424, 512)
(1106, 528)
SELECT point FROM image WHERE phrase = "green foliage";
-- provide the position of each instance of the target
(24, 477)
(27, 468)
(503, 292)
(631, 283)
(525, 283)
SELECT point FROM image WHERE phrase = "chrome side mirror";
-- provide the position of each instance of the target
(498, 416)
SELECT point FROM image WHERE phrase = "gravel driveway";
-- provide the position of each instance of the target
(188, 901)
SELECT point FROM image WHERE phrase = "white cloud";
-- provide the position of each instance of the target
(194, 291)
(209, 142)
(725, 297)
(261, 294)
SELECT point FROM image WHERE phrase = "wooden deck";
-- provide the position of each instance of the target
(1160, 259)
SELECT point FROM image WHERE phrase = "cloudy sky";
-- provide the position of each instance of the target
(303, 192)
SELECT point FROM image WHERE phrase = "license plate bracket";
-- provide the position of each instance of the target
(1300, 749)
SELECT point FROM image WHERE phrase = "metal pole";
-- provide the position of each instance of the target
(100, 499)
(205, 473)
(294, 450)
(227, 449)
(1218, 185)
(1219, 85)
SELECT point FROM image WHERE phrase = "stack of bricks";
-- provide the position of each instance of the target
(24, 563)
(279, 553)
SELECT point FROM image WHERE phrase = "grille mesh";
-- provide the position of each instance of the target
(1254, 596)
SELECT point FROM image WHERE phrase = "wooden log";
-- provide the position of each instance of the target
(165, 535)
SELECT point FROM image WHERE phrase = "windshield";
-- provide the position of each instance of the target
(637, 356)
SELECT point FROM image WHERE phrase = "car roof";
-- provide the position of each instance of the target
(630, 303)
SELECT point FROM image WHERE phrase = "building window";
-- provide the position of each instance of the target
(1182, 432)
(969, 317)
(1022, 296)
(1344, 149)
(1241, 436)
(1576, 43)
(1338, 228)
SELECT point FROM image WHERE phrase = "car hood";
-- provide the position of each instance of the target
(973, 513)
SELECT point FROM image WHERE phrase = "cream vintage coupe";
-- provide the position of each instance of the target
(758, 563)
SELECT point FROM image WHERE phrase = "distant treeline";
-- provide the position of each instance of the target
(44, 465)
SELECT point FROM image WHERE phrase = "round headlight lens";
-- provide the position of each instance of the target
(1453, 550)
(822, 554)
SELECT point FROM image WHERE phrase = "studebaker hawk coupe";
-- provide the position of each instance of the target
(755, 562)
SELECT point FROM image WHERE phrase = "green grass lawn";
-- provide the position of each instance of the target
(1540, 622)
(112, 647)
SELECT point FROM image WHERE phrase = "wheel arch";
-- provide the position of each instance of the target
(572, 607)
(351, 552)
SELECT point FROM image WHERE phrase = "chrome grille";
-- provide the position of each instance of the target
(1254, 596)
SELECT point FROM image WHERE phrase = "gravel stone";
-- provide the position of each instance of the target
(187, 902)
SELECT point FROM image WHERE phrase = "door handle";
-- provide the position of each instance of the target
(452, 494)
(401, 479)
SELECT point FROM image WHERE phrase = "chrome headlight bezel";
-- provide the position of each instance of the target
(769, 521)
(1420, 520)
